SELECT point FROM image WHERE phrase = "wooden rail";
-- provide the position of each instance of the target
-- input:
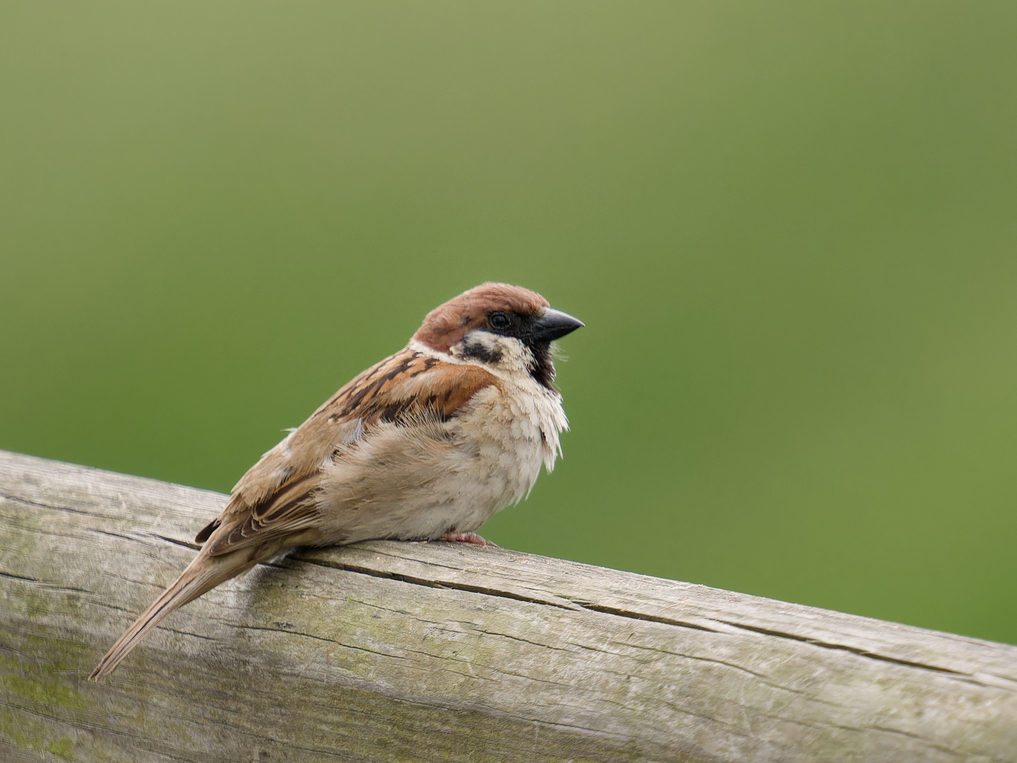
(432, 651)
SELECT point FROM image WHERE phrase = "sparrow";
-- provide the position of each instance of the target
(425, 445)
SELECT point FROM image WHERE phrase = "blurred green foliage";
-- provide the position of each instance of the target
(790, 228)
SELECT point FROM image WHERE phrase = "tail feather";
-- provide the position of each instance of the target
(201, 575)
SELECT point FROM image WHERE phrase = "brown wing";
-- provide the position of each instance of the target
(277, 496)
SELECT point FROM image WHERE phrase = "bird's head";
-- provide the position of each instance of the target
(505, 328)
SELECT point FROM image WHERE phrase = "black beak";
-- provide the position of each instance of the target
(553, 324)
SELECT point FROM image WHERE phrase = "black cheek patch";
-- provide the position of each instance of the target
(481, 352)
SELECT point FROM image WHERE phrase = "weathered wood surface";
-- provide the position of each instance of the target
(407, 651)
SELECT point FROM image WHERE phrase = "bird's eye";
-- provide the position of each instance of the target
(499, 321)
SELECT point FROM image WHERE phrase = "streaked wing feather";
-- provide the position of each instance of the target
(277, 496)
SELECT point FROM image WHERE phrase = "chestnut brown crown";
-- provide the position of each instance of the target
(449, 323)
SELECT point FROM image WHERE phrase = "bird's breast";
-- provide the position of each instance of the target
(422, 479)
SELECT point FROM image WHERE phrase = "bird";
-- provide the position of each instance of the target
(425, 445)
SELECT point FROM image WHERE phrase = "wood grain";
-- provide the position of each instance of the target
(410, 651)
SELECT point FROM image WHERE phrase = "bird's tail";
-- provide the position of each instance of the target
(201, 575)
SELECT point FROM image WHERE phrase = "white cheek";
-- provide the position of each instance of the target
(497, 352)
(484, 341)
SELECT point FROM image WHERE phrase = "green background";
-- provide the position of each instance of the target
(789, 227)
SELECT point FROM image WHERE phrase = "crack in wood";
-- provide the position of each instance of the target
(846, 648)
(924, 740)
(304, 634)
(646, 617)
(12, 576)
(176, 542)
(21, 499)
(444, 584)
(66, 589)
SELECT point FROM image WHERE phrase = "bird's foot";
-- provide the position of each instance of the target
(466, 538)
